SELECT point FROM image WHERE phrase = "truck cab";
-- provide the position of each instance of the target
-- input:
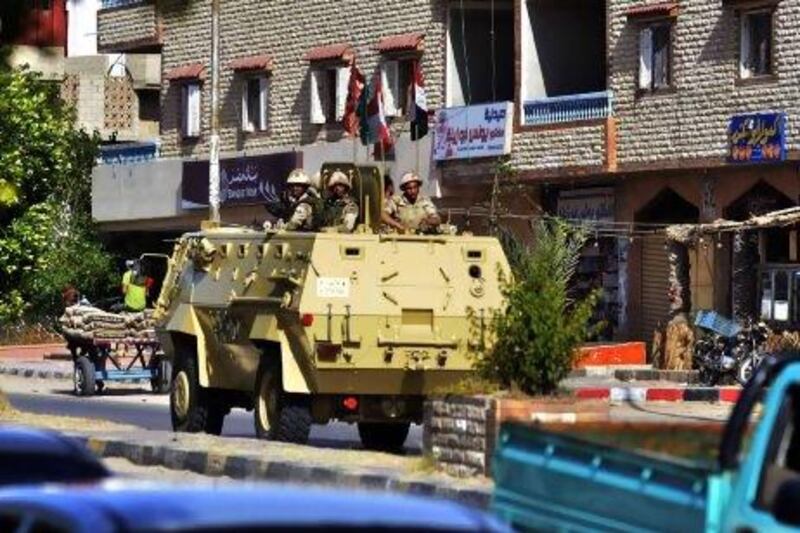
(550, 481)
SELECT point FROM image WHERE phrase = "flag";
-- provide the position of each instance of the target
(418, 105)
(355, 87)
(372, 118)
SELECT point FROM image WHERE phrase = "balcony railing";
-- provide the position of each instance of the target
(129, 153)
(570, 108)
(107, 4)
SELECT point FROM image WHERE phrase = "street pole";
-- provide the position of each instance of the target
(213, 162)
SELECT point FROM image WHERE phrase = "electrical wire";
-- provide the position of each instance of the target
(468, 97)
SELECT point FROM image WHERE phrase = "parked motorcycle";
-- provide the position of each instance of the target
(728, 348)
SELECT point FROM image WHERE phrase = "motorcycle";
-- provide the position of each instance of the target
(728, 348)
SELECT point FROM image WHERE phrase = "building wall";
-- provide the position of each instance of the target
(690, 123)
(82, 27)
(127, 28)
(151, 190)
(47, 60)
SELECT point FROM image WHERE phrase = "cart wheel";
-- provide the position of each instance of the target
(161, 382)
(83, 377)
(100, 385)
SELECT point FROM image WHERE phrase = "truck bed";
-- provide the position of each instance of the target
(550, 481)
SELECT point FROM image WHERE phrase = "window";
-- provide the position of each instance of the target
(149, 107)
(655, 56)
(328, 94)
(396, 76)
(190, 110)
(255, 103)
(755, 45)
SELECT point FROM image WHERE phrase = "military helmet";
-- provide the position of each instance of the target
(409, 177)
(338, 178)
(298, 177)
(316, 180)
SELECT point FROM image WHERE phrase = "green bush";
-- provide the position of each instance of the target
(533, 340)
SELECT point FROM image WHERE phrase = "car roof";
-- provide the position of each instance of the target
(29, 440)
(143, 508)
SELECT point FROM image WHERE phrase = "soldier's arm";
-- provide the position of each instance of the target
(350, 217)
(301, 214)
(431, 213)
(387, 216)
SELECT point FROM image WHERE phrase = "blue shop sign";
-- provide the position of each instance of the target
(757, 138)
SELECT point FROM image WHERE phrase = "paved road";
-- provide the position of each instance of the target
(156, 416)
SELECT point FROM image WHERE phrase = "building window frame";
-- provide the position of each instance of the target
(397, 78)
(744, 73)
(328, 92)
(257, 103)
(191, 110)
(647, 81)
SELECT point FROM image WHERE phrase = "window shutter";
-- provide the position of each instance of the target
(390, 80)
(745, 36)
(245, 96)
(645, 58)
(342, 82)
(264, 100)
(317, 116)
(193, 111)
(184, 110)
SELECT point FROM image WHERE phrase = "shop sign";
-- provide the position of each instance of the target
(593, 204)
(243, 180)
(473, 131)
(757, 138)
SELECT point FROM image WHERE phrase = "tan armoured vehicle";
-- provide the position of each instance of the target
(305, 328)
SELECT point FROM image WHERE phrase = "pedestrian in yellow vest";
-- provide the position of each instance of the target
(134, 287)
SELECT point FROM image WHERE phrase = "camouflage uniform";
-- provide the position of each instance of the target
(341, 213)
(410, 215)
(305, 212)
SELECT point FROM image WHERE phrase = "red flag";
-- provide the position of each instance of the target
(354, 89)
(418, 105)
(373, 119)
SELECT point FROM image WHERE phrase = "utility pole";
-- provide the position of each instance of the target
(213, 162)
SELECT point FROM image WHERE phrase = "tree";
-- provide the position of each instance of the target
(46, 234)
(533, 340)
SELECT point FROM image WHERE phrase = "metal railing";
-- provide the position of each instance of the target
(129, 153)
(106, 4)
(570, 108)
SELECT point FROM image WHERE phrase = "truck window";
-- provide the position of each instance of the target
(782, 461)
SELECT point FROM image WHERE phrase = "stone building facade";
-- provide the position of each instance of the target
(622, 111)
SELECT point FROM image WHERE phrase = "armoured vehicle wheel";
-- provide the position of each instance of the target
(384, 437)
(278, 415)
(190, 407)
(83, 377)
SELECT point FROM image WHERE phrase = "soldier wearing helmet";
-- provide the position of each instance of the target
(303, 202)
(341, 211)
(411, 210)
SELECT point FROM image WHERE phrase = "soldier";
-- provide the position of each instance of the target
(341, 211)
(411, 211)
(303, 203)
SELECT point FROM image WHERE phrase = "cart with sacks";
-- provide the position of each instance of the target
(109, 347)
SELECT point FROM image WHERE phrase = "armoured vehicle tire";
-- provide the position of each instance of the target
(278, 415)
(190, 407)
(384, 437)
(83, 377)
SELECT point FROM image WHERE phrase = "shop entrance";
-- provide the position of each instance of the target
(666, 208)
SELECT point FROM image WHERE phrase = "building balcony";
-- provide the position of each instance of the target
(128, 26)
(568, 109)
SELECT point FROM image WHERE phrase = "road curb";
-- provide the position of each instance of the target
(660, 394)
(254, 468)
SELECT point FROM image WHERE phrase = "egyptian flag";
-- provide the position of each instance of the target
(373, 119)
(355, 87)
(418, 105)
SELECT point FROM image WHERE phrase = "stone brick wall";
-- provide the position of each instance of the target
(122, 28)
(286, 32)
(569, 146)
(691, 121)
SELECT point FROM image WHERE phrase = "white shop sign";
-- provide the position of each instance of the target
(473, 131)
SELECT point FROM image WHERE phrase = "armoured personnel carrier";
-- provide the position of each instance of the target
(305, 328)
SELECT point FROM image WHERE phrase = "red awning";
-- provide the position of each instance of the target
(662, 9)
(194, 71)
(339, 51)
(260, 62)
(401, 42)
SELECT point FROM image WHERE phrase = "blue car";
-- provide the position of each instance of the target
(119, 506)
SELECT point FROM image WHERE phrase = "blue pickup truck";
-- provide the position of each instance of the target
(550, 481)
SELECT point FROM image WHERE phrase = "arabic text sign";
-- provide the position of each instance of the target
(473, 131)
(757, 138)
(590, 204)
(244, 180)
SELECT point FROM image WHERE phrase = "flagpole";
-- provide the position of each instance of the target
(416, 149)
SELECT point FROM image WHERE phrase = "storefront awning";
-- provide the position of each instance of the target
(193, 71)
(661, 9)
(257, 62)
(404, 42)
(341, 52)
